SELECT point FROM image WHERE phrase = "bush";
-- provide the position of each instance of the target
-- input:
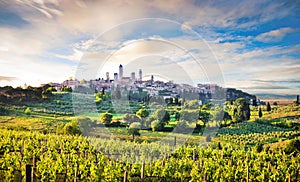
(134, 129)
(106, 118)
(72, 128)
(208, 138)
(156, 125)
(293, 146)
(181, 127)
(27, 111)
(3, 111)
(259, 147)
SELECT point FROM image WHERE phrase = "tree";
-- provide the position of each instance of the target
(72, 128)
(297, 101)
(66, 89)
(131, 118)
(204, 116)
(47, 93)
(254, 102)
(157, 125)
(226, 116)
(134, 129)
(142, 113)
(27, 111)
(242, 112)
(260, 113)
(193, 104)
(162, 115)
(181, 127)
(190, 116)
(106, 118)
(293, 146)
(269, 107)
(218, 114)
(176, 115)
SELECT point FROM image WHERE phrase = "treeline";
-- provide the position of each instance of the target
(9, 94)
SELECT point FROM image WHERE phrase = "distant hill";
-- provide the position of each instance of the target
(275, 96)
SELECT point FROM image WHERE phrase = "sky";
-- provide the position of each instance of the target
(248, 45)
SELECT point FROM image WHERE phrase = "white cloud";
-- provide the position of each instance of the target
(57, 28)
(274, 35)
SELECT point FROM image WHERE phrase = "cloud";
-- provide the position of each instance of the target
(274, 35)
(7, 78)
(265, 87)
(55, 34)
(75, 56)
(277, 81)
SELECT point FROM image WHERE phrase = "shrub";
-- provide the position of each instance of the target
(27, 111)
(293, 146)
(156, 125)
(72, 128)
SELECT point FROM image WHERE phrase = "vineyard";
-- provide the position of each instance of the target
(250, 133)
(75, 158)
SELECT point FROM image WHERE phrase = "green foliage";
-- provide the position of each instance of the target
(190, 116)
(293, 146)
(193, 104)
(242, 112)
(269, 107)
(46, 94)
(66, 89)
(204, 116)
(134, 129)
(217, 113)
(259, 147)
(142, 113)
(3, 111)
(131, 118)
(68, 155)
(106, 118)
(27, 111)
(208, 138)
(72, 128)
(162, 115)
(250, 133)
(52, 89)
(157, 125)
(148, 121)
(181, 127)
(206, 106)
(260, 113)
(176, 115)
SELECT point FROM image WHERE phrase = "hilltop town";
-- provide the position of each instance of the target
(133, 84)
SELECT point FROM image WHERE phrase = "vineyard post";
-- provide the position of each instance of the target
(125, 176)
(174, 141)
(33, 169)
(247, 180)
(75, 175)
(28, 172)
(194, 155)
(143, 171)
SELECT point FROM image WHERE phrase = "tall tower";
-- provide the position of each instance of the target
(115, 78)
(141, 75)
(120, 72)
(107, 76)
(133, 77)
(152, 79)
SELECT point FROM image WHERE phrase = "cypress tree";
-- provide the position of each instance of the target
(259, 113)
(269, 107)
